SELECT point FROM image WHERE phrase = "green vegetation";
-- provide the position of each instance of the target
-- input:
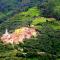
(45, 18)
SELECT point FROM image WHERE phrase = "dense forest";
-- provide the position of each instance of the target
(40, 16)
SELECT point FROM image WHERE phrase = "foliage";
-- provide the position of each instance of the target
(34, 11)
(44, 16)
(42, 20)
(50, 8)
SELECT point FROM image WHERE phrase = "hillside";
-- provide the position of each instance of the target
(35, 25)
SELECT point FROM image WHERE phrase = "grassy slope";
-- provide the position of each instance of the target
(19, 19)
(51, 21)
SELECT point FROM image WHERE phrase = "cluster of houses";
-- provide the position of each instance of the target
(18, 36)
